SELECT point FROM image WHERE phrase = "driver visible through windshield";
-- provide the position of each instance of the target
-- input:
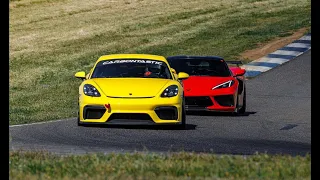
(131, 68)
(200, 67)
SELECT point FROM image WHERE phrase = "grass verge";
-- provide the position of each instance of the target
(182, 165)
(50, 40)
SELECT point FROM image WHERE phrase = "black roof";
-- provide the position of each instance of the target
(194, 57)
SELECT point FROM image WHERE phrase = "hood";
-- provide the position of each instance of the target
(203, 82)
(137, 87)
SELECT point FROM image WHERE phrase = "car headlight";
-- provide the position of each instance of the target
(90, 90)
(224, 85)
(170, 91)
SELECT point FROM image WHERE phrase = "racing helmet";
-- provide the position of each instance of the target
(153, 68)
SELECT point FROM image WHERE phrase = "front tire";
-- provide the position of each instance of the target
(183, 118)
(78, 117)
(242, 110)
(78, 120)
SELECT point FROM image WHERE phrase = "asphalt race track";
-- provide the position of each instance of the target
(278, 120)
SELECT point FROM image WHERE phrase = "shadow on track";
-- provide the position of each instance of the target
(209, 113)
(148, 127)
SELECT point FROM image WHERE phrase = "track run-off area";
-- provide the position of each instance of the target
(277, 121)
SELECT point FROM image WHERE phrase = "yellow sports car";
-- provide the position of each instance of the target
(136, 89)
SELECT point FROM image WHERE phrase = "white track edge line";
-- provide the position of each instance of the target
(45, 122)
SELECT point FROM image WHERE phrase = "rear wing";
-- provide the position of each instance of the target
(235, 62)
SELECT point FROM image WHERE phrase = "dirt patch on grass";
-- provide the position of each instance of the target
(272, 46)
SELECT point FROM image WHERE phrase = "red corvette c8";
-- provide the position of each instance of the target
(212, 85)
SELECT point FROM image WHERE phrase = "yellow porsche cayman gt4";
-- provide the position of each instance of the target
(138, 89)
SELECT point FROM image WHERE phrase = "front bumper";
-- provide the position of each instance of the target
(219, 103)
(138, 111)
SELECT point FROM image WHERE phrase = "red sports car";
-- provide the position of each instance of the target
(213, 85)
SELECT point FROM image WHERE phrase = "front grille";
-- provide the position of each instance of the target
(225, 100)
(134, 116)
(167, 112)
(198, 101)
(130, 118)
(93, 112)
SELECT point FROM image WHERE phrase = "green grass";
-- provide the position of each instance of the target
(40, 165)
(50, 40)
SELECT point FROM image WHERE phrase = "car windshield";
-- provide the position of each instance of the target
(200, 67)
(131, 68)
